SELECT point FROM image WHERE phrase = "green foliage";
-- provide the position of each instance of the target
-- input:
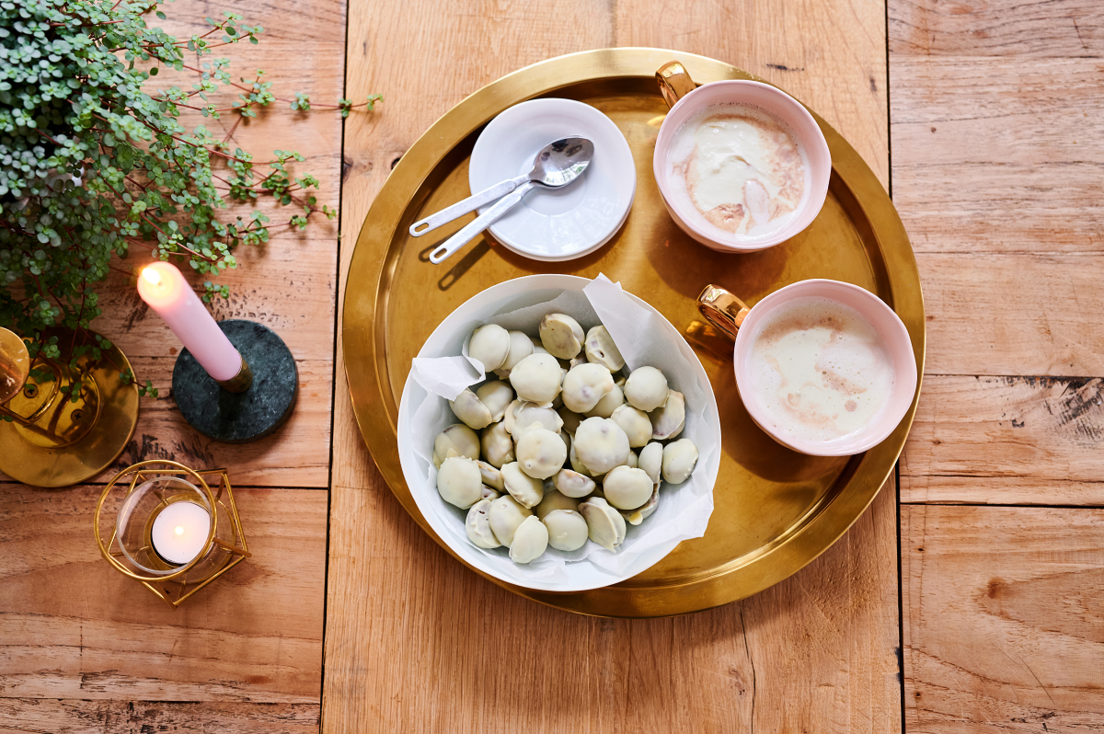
(93, 161)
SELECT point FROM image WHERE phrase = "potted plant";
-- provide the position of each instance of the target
(95, 160)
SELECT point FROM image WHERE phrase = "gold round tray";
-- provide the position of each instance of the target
(776, 510)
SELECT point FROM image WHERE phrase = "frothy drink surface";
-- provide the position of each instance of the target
(819, 370)
(738, 168)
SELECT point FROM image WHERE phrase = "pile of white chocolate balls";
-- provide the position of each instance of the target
(555, 463)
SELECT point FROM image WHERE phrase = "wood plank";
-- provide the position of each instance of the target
(423, 644)
(409, 642)
(44, 716)
(992, 155)
(1013, 314)
(1006, 440)
(287, 285)
(73, 627)
(996, 174)
(1004, 612)
(1033, 29)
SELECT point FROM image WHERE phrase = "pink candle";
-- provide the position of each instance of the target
(163, 287)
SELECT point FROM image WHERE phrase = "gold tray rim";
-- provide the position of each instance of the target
(365, 347)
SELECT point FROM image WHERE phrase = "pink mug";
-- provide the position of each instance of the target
(686, 99)
(737, 320)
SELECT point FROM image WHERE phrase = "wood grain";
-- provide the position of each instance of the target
(1013, 314)
(417, 643)
(422, 644)
(1006, 440)
(73, 627)
(46, 716)
(1033, 30)
(1004, 613)
(997, 176)
(998, 154)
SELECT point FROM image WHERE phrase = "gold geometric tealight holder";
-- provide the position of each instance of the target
(160, 523)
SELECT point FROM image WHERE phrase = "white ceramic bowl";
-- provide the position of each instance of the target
(553, 225)
(448, 522)
(780, 105)
(886, 323)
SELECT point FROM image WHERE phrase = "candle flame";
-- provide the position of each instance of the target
(152, 276)
(180, 531)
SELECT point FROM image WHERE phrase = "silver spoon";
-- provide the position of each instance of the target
(558, 164)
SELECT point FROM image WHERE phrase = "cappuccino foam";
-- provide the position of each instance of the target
(737, 169)
(819, 370)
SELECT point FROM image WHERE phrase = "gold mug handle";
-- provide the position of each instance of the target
(722, 309)
(674, 82)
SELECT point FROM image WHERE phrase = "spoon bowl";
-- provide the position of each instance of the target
(561, 162)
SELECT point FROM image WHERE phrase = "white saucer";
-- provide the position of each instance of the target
(556, 224)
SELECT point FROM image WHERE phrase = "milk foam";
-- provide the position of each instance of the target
(736, 170)
(819, 370)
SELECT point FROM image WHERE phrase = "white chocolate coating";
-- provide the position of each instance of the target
(460, 439)
(600, 445)
(554, 500)
(669, 419)
(642, 513)
(627, 488)
(610, 402)
(530, 541)
(540, 452)
(490, 344)
(600, 349)
(605, 525)
(561, 335)
(646, 389)
(571, 420)
(489, 493)
(525, 416)
(573, 484)
(633, 460)
(492, 477)
(497, 396)
(506, 516)
(471, 410)
(537, 378)
(577, 465)
(522, 487)
(679, 460)
(567, 530)
(585, 385)
(459, 482)
(635, 423)
(498, 447)
(520, 348)
(478, 525)
(651, 461)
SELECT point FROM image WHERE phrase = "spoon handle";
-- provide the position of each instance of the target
(480, 223)
(470, 204)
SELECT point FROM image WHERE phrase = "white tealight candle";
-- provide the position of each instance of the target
(180, 531)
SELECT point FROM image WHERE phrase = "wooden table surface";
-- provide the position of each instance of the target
(968, 598)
